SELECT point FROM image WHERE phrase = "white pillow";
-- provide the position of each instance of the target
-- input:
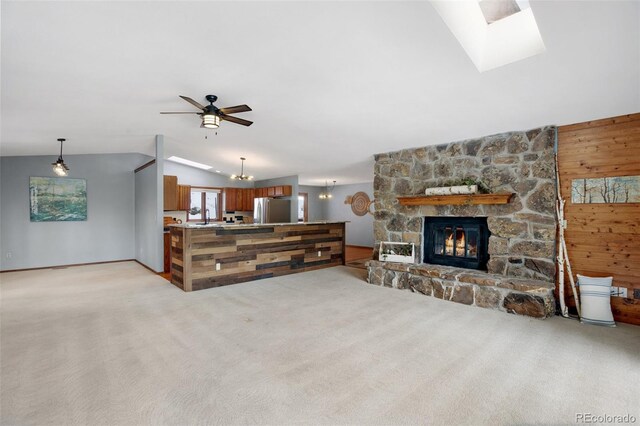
(595, 300)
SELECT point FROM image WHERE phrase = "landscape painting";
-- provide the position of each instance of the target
(619, 189)
(57, 199)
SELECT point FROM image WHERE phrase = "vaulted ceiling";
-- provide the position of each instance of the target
(330, 83)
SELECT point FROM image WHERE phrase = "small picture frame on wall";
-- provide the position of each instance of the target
(57, 199)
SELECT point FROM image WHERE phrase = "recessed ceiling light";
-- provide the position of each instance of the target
(218, 171)
(188, 162)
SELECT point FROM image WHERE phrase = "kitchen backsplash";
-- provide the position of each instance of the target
(238, 217)
(228, 217)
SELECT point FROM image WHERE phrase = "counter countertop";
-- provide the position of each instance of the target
(247, 225)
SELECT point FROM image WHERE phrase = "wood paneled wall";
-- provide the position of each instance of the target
(603, 239)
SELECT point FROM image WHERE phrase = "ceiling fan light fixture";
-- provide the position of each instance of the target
(59, 168)
(210, 121)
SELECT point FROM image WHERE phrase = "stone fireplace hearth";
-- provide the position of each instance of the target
(520, 268)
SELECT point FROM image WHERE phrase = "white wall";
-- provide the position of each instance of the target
(107, 234)
(359, 228)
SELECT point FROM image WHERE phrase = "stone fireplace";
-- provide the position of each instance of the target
(516, 272)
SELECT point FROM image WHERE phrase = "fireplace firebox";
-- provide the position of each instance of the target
(457, 241)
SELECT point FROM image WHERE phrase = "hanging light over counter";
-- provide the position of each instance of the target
(59, 167)
(242, 176)
(326, 193)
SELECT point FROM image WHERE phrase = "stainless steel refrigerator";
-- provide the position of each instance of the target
(271, 210)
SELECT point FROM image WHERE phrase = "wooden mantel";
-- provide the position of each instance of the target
(441, 200)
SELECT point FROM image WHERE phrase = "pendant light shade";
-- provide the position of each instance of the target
(59, 168)
(242, 176)
(326, 193)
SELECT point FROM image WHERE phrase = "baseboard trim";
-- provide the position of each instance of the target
(68, 265)
(146, 267)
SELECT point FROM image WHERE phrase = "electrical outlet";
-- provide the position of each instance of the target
(319, 253)
(9, 255)
(618, 292)
(217, 266)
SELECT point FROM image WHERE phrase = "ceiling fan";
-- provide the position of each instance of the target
(211, 114)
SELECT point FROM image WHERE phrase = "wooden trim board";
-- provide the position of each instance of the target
(70, 265)
(440, 200)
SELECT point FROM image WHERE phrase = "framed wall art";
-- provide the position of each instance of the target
(57, 199)
(608, 190)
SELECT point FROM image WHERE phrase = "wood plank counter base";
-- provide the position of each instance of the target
(216, 255)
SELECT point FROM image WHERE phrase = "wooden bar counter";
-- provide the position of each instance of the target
(205, 256)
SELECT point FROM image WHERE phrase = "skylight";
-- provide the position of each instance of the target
(492, 32)
(188, 162)
(494, 10)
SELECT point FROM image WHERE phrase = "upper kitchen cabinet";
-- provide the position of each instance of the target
(184, 197)
(282, 191)
(273, 191)
(248, 195)
(170, 200)
(238, 199)
(230, 199)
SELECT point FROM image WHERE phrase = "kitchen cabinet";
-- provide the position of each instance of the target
(249, 195)
(282, 191)
(241, 199)
(238, 199)
(274, 191)
(170, 193)
(230, 199)
(184, 197)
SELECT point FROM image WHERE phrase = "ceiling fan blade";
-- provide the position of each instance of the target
(236, 120)
(235, 109)
(192, 102)
(180, 113)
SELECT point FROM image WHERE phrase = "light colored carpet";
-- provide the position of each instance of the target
(115, 344)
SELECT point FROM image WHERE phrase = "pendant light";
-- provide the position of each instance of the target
(326, 194)
(59, 167)
(242, 176)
